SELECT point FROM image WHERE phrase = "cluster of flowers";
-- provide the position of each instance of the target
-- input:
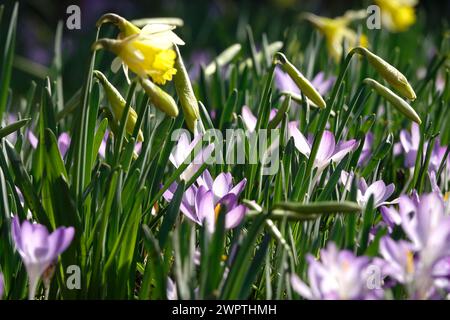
(421, 263)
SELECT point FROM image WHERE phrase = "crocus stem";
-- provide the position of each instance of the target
(314, 181)
(32, 287)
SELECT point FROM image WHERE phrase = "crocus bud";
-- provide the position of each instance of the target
(302, 83)
(126, 27)
(186, 94)
(389, 73)
(160, 99)
(395, 100)
(118, 103)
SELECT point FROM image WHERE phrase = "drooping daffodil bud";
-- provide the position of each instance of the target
(186, 94)
(394, 99)
(300, 80)
(389, 73)
(117, 103)
(159, 98)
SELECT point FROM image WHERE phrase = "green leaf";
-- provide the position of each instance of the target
(171, 215)
(7, 60)
(13, 127)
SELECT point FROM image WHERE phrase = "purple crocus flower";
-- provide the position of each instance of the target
(398, 259)
(102, 148)
(328, 150)
(182, 151)
(378, 189)
(104, 143)
(437, 156)
(39, 249)
(197, 59)
(404, 265)
(418, 263)
(250, 119)
(32, 139)
(284, 82)
(63, 143)
(366, 151)
(171, 290)
(427, 226)
(202, 202)
(409, 142)
(340, 275)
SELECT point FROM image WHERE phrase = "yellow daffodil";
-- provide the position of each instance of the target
(146, 52)
(397, 15)
(336, 31)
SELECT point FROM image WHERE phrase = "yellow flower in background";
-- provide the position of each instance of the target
(147, 53)
(337, 31)
(397, 15)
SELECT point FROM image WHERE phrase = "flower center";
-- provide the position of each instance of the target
(409, 262)
(217, 211)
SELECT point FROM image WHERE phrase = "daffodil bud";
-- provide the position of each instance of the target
(394, 77)
(394, 99)
(160, 99)
(126, 27)
(302, 83)
(185, 92)
(308, 211)
(118, 103)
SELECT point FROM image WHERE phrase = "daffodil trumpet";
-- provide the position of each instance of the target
(300, 80)
(389, 73)
(117, 103)
(394, 99)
